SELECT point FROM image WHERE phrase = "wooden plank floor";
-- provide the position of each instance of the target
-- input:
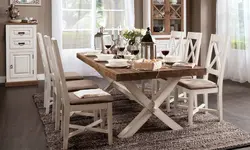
(21, 128)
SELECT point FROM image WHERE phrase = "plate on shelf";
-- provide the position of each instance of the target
(117, 66)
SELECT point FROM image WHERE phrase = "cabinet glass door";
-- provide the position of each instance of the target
(176, 15)
(167, 16)
(159, 16)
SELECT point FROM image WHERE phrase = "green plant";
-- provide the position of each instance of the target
(239, 44)
(132, 34)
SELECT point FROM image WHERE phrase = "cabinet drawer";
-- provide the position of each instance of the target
(21, 32)
(21, 43)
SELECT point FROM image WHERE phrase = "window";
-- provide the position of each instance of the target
(238, 24)
(82, 18)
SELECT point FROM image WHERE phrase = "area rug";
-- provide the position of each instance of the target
(206, 133)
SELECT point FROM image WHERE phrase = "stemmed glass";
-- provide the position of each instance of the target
(107, 42)
(134, 50)
(165, 53)
(121, 46)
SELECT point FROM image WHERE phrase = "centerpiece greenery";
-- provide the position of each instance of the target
(131, 35)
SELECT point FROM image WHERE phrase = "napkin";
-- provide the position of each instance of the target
(184, 64)
(90, 93)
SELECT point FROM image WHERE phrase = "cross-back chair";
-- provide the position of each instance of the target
(48, 88)
(218, 46)
(72, 85)
(176, 43)
(192, 53)
(72, 103)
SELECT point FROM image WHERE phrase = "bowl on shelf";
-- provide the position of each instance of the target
(158, 28)
(16, 20)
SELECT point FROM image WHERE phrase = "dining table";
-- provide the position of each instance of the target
(125, 80)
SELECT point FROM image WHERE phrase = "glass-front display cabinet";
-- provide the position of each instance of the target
(164, 16)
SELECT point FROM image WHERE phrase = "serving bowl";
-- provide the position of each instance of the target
(105, 57)
(118, 62)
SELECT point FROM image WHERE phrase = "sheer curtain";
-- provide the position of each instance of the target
(75, 22)
(233, 19)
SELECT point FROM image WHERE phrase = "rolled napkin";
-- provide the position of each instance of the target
(184, 64)
(90, 93)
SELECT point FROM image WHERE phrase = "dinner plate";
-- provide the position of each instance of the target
(92, 53)
(98, 60)
(116, 66)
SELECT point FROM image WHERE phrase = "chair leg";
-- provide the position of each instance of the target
(62, 122)
(57, 112)
(168, 104)
(143, 86)
(176, 99)
(95, 115)
(205, 99)
(54, 107)
(195, 101)
(66, 130)
(220, 105)
(46, 95)
(190, 108)
(153, 88)
(110, 123)
(102, 116)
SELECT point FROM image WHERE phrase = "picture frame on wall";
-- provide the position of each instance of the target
(26, 2)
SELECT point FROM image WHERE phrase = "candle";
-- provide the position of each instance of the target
(113, 31)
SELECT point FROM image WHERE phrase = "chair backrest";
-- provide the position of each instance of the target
(48, 48)
(44, 56)
(193, 47)
(176, 42)
(218, 46)
(59, 74)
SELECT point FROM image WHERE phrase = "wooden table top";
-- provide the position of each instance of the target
(128, 74)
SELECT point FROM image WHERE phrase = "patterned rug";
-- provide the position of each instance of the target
(206, 134)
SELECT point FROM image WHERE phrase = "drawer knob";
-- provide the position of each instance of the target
(21, 33)
(11, 66)
(21, 44)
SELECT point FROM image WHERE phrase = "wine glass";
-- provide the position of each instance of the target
(107, 40)
(121, 47)
(165, 53)
(134, 50)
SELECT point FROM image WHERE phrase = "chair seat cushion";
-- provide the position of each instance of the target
(72, 76)
(81, 85)
(74, 100)
(194, 84)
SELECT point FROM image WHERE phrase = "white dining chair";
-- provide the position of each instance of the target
(176, 48)
(192, 48)
(176, 43)
(218, 46)
(72, 85)
(72, 103)
(72, 77)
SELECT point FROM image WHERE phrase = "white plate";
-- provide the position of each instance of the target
(98, 60)
(92, 53)
(120, 66)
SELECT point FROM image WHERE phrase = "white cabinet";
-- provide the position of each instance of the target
(21, 53)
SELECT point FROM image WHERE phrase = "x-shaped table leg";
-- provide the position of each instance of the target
(151, 107)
